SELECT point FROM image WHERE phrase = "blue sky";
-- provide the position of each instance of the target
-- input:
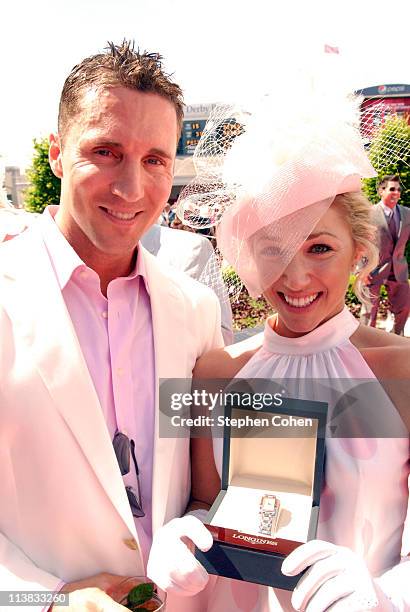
(217, 49)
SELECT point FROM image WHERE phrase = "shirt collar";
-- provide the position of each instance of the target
(140, 269)
(64, 258)
(388, 211)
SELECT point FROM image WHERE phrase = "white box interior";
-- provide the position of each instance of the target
(283, 467)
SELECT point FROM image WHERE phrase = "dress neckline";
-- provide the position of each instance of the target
(330, 334)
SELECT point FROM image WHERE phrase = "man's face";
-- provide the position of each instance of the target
(116, 165)
(390, 193)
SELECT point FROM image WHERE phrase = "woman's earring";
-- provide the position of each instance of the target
(360, 264)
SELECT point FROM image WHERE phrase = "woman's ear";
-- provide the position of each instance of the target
(54, 155)
(359, 259)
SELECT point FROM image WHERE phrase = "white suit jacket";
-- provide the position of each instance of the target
(64, 512)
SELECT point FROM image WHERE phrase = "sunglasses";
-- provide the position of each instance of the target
(395, 189)
(124, 449)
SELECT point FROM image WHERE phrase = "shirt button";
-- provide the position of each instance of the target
(120, 371)
(83, 274)
(104, 314)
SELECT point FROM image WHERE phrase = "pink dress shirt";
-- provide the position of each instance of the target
(116, 337)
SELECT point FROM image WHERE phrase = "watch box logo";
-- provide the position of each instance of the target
(247, 540)
(253, 539)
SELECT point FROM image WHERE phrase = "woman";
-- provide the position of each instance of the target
(299, 243)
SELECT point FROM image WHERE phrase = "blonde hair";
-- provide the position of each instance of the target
(357, 211)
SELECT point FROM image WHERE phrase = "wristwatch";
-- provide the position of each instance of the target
(269, 510)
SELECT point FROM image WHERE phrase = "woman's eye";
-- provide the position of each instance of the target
(270, 251)
(320, 248)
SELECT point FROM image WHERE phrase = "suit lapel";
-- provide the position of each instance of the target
(382, 217)
(171, 361)
(39, 312)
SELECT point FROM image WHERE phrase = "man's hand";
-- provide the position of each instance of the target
(90, 600)
(92, 594)
(337, 579)
(171, 564)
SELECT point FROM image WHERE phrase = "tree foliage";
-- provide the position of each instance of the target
(44, 185)
(389, 153)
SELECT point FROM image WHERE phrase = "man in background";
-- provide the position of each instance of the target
(193, 254)
(393, 223)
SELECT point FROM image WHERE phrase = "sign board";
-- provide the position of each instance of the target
(385, 90)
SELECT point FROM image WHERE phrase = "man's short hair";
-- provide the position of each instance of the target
(119, 66)
(389, 177)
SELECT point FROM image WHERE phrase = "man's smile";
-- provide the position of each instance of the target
(126, 218)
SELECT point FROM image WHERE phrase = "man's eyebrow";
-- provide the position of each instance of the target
(317, 234)
(161, 153)
(105, 143)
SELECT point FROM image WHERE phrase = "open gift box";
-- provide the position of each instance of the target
(281, 455)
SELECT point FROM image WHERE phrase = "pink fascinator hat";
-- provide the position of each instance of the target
(267, 174)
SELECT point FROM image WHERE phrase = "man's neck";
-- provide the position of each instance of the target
(108, 266)
(109, 269)
(389, 207)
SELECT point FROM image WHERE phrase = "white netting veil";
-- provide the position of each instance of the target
(207, 197)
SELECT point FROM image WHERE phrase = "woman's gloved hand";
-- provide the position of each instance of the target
(337, 580)
(171, 564)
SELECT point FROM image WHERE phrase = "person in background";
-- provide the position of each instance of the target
(163, 219)
(176, 223)
(393, 223)
(193, 254)
(13, 221)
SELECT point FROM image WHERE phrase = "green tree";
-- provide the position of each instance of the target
(389, 153)
(44, 185)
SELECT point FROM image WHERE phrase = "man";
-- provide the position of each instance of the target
(89, 323)
(193, 254)
(393, 223)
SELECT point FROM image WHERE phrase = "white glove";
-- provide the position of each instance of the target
(337, 579)
(171, 564)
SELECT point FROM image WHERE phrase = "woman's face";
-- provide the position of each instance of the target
(312, 288)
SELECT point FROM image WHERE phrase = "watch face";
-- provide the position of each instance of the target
(268, 502)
